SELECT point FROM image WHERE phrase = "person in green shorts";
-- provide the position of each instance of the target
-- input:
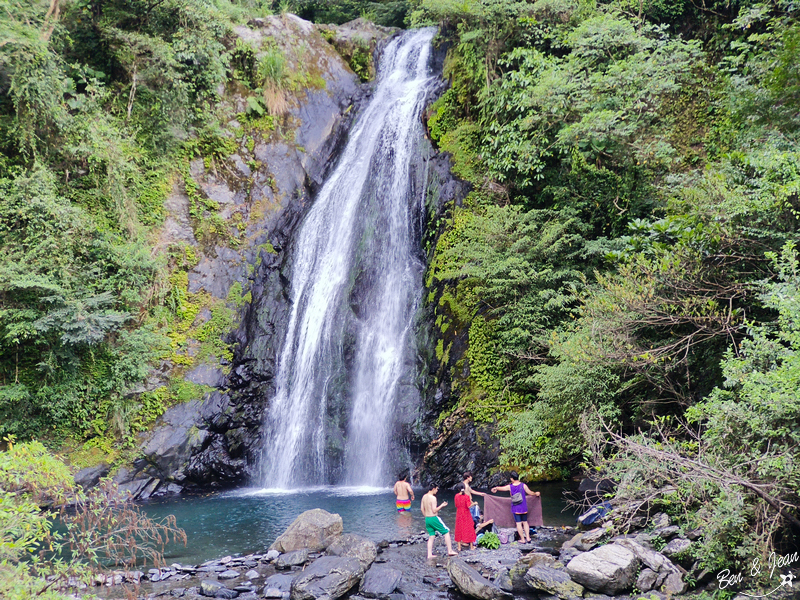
(433, 523)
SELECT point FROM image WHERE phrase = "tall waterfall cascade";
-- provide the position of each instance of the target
(356, 281)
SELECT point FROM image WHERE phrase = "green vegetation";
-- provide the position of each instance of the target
(390, 13)
(489, 540)
(102, 106)
(625, 264)
(98, 528)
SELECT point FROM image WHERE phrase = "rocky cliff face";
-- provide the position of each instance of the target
(261, 191)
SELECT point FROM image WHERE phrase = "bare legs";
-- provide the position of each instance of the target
(524, 530)
(447, 543)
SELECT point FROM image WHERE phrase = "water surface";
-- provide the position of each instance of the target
(250, 519)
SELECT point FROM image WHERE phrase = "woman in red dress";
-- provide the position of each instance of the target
(465, 527)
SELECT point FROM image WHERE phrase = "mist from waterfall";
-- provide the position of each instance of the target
(356, 280)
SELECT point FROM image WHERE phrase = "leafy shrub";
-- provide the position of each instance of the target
(489, 540)
(101, 527)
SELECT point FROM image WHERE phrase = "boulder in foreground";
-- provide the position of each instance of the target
(380, 581)
(473, 584)
(557, 582)
(328, 578)
(608, 569)
(312, 530)
(356, 546)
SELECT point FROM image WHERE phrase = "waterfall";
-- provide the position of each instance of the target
(355, 287)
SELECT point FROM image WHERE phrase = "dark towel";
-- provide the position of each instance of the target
(499, 509)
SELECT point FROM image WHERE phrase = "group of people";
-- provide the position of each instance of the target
(468, 516)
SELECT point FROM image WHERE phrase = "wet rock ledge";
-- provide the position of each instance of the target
(314, 560)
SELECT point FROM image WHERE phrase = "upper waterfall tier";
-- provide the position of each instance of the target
(355, 287)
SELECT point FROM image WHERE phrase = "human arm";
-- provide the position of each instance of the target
(502, 488)
(529, 492)
(440, 507)
(410, 490)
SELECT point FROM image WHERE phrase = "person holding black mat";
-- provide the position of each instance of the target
(519, 504)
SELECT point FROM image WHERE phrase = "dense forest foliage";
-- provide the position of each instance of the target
(625, 265)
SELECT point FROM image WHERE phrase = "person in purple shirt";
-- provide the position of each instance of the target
(519, 509)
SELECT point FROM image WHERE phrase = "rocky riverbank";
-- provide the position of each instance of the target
(314, 560)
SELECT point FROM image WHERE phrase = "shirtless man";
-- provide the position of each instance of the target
(467, 480)
(433, 523)
(404, 493)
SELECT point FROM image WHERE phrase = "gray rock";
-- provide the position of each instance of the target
(91, 476)
(313, 530)
(271, 555)
(512, 579)
(676, 546)
(356, 546)
(674, 584)
(214, 589)
(646, 580)
(178, 435)
(660, 520)
(280, 582)
(567, 554)
(473, 584)
(650, 558)
(206, 375)
(537, 558)
(666, 533)
(252, 574)
(591, 538)
(272, 593)
(570, 543)
(380, 581)
(553, 581)
(328, 577)
(694, 534)
(292, 559)
(229, 574)
(608, 569)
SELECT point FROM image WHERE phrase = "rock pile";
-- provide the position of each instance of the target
(314, 560)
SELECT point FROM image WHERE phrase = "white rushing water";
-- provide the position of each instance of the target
(355, 286)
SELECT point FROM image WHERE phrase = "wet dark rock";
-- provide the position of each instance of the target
(91, 476)
(439, 581)
(471, 583)
(265, 190)
(177, 436)
(327, 577)
(380, 581)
